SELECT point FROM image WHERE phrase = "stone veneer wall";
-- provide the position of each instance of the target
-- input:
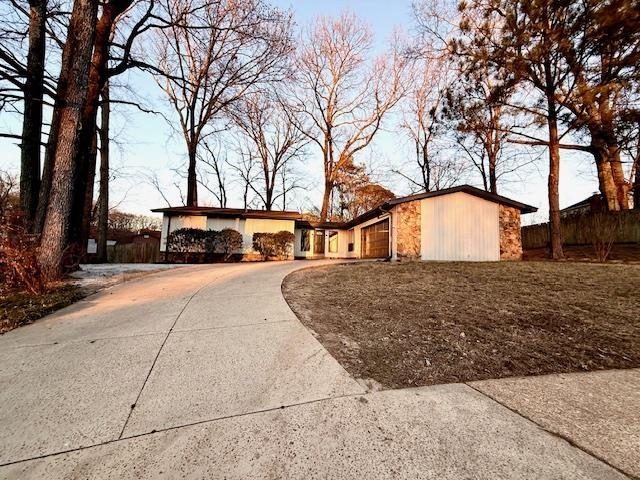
(510, 234)
(408, 230)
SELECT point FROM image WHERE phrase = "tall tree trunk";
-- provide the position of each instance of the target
(326, 199)
(74, 73)
(493, 178)
(47, 170)
(192, 180)
(32, 117)
(426, 167)
(87, 203)
(103, 206)
(85, 177)
(636, 178)
(268, 204)
(606, 181)
(554, 178)
(622, 189)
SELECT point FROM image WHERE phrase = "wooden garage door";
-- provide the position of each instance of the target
(375, 240)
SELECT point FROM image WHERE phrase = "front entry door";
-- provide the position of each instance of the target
(318, 243)
(375, 240)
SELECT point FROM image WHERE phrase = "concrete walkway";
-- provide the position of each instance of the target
(204, 372)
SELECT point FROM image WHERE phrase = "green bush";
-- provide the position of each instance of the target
(190, 240)
(228, 241)
(283, 241)
(196, 240)
(264, 244)
(277, 244)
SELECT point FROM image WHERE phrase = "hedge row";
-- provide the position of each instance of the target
(227, 241)
(190, 240)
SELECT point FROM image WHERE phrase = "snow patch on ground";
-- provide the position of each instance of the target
(108, 274)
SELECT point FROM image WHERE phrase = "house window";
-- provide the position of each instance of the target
(305, 241)
(333, 242)
(351, 239)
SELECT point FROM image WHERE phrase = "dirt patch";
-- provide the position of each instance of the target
(416, 323)
(21, 308)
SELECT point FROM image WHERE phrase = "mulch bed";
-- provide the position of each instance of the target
(413, 324)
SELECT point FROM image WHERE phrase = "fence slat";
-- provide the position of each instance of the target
(577, 230)
(133, 253)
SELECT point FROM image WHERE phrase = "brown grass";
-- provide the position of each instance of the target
(21, 308)
(413, 324)
(620, 252)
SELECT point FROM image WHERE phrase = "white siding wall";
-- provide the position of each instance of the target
(222, 223)
(263, 225)
(178, 222)
(459, 227)
(342, 244)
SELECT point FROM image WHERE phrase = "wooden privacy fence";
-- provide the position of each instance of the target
(624, 227)
(134, 253)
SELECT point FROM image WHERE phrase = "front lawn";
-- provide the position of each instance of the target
(412, 324)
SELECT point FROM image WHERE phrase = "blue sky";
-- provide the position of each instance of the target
(144, 142)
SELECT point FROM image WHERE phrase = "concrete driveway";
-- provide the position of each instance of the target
(204, 372)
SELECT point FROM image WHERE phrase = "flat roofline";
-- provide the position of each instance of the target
(373, 213)
(230, 212)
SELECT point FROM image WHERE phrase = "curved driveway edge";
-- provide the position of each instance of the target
(204, 372)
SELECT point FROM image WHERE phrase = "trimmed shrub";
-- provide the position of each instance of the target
(208, 242)
(264, 244)
(228, 241)
(188, 240)
(277, 244)
(283, 241)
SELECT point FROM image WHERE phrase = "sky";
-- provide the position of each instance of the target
(144, 142)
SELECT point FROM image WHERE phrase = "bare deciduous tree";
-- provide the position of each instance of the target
(271, 141)
(71, 96)
(423, 123)
(33, 107)
(25, 83)
(344, 94)
(213, 176)
(357, 193)
(214, 51)
(103, 196)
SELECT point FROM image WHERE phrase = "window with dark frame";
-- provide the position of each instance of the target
(305, 241)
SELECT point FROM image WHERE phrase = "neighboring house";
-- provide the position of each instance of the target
(459, 223)
(594, 203)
